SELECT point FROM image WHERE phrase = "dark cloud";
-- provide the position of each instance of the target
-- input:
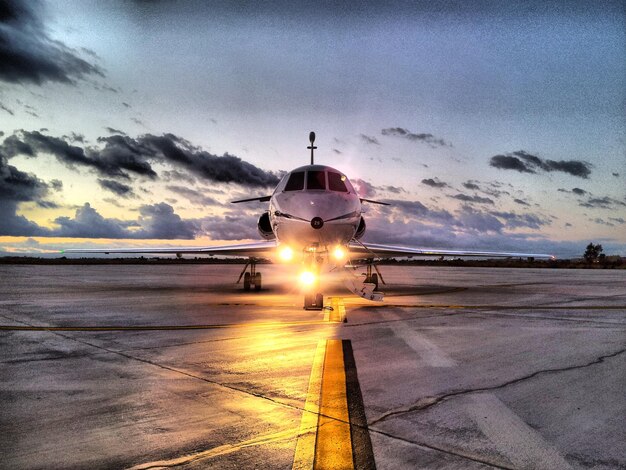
(47, 204)
(57, 185)
(29, 55)
(471, 185)
(174, 175)
(477, 199)
(393, 189)
(520, 202)
(231, 226)
(112, 130)
(602, 203)
(514, 220)
(579, 192)
(15, 187)
(615, 174)
(119, 155)
(126, 105)
(224, 169)
(478, 221)
(617, 220)
(526, 163)
(18, 186)
(338, 152)
(194, 196)
(507, 162)
(116, 187)
(425, 138)
(4, 108)
(434, 183)
(369, 139)
(157, 221)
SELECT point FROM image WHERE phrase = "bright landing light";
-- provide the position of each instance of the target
(286, 253)
(339, 253)
(307, 278)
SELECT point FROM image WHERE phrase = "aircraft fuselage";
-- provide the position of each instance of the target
(314, 207)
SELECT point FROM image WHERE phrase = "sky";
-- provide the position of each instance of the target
(487, 125)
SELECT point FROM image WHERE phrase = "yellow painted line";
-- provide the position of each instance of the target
(305, 447)
(157, 327)
(338, 313)
(333, 449)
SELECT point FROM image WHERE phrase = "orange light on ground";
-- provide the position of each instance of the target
(339, 253)
(307, 278)
(286, 253)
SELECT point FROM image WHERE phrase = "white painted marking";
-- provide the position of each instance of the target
(515, 439)
(428, 351)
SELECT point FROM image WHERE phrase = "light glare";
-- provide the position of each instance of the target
(307, 278)
(339, 253)
(286, 253)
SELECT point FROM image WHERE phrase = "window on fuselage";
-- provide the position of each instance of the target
(315, 180)
(295, 182)
(336, 182)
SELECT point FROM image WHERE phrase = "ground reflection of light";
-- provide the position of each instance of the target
(307, 278)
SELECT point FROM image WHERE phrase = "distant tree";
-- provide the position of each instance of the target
(592, 252)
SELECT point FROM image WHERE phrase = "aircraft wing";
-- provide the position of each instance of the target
(373, 250)
(251, 250)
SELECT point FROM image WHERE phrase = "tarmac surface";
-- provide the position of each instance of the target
(158, 366)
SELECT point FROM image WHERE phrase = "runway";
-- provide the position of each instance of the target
(174, 366)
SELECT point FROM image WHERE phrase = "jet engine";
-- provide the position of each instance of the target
(360, 230)
(265, 226)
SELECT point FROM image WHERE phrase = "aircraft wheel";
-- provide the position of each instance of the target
(308, 301)
(374, 280)
(319, 301)
(246, 281)
(257, 281)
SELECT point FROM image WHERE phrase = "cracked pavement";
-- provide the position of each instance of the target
(459, 368)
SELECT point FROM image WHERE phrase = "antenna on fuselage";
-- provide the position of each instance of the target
(312, 147)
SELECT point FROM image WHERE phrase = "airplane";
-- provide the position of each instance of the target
(315, 219)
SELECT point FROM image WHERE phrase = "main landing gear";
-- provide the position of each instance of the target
(252, 278)
(372, 278)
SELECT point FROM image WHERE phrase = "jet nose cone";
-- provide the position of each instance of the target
(317, 223)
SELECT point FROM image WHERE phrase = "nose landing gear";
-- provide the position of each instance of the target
(313, 301)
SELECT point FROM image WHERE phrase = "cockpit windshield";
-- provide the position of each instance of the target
(336, 182)
(315, 180)
(295, 182)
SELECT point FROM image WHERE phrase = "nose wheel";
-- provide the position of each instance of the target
(251, 279)
(313, 301)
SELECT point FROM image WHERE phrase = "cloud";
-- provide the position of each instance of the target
(194, 196)
(478, 221)
(364, 188)
(29, 55)
(471, 185)
(118, 156)
(56, 184)
(434, 183)
(520, 202)
(116, 187)
(602, 203)
(429, 139)
(224, 169)
(4, 108)
(514, 220)
(615, 174)
(526, 163)
(477, 199)
(369, 139)
(578, 191)
(112, 130)
(157, 221)
(338, 152)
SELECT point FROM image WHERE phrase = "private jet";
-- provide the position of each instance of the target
(314, 220)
